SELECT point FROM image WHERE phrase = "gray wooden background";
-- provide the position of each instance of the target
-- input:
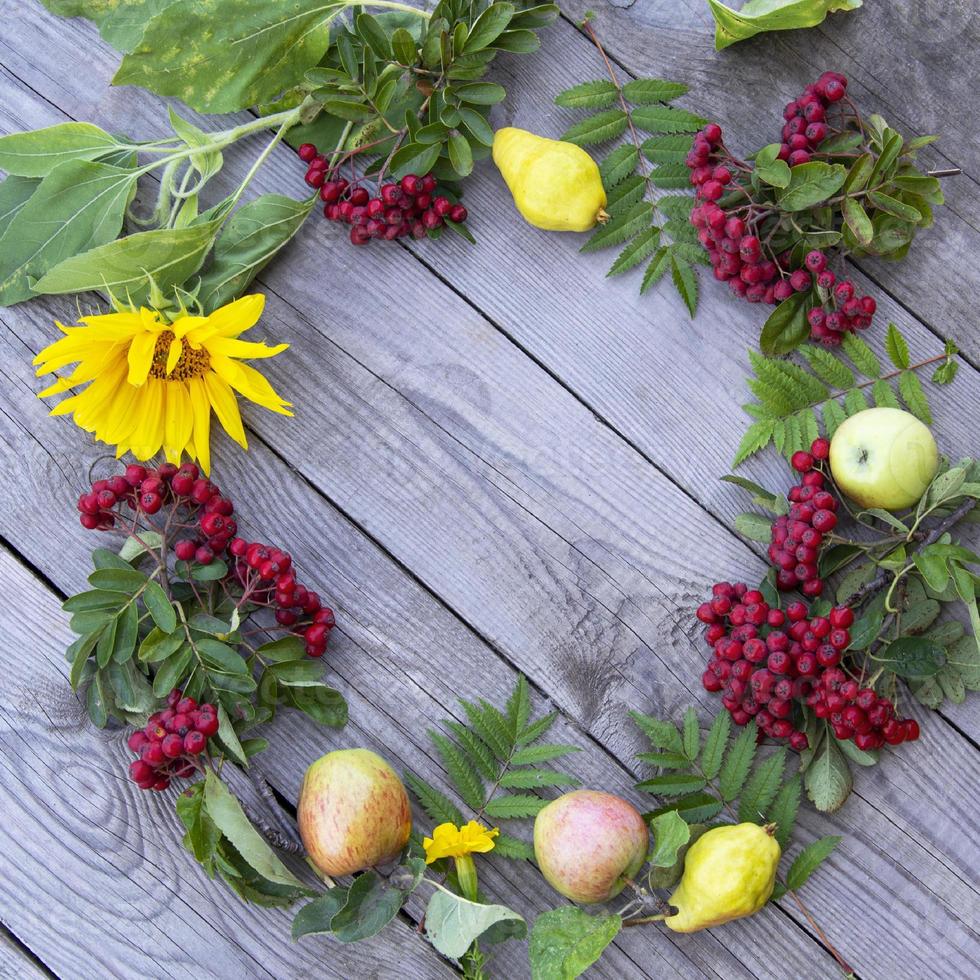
(500, 462)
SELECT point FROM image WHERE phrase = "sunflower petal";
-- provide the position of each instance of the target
(243, 349)
(201, 410)
(230, 320)
(225, 406)
(140, 357)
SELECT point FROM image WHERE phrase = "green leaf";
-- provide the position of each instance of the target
(738, 762)
(694, 808)
(225, 810)
(453, 924)
(810, 184)
(414, 158)
(488, 26)
(912, 656)
(670, 833)
(404, 47)
(460, 154)
(786, 327)
(672, 784)
(160, 608)
(770, 169)
(664, 119)
(685, 281)
(755, 527)
(127, 632)
(481, 93)
(715, 743)
(691, 734)
(910, 388)
(371, 904)
(757, 436)
(893, 206)
(620, 227)
(625, 194)
(856, 218)
(536, 779)
(127, 579)
(883, 395)
(284, 650)
(599, 128)
(78, 206)
(514, 806)
(462, 774)
(566, 941)
(228, 737)
(782, 811)
(252, 237)
(808, 860)
(438, 806)
(649, 91)
(315, 917)
(37, 153)
(158, 645)
(862, 355)
(761, 789)
(517, 42)
(759, 16)
(370, 28)
(588, 95)
(665, 760)
(833, 415)
(172, 671)
(128, 266)
(661, 734)
(477, 125)
(618, 165)
(96, 700)
(828, 777)
(134, 546)
(534, 754)
(656, 269)
(519, 706)
(512, 848)
(228, 63)
(15, 192)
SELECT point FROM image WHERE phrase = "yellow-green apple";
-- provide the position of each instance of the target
(588, 844)
(353, 812)
(883, 457)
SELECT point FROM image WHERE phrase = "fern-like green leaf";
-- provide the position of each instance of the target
(672, 784)
(625, 194)
(665, 760)
(854, 401)
(588, 95)
(600, 128)
(618, 165)
(757, 436)
(663, 119)
(496, 719)
(656, 269)
(620, 227)
(738, 762)
(762, 787)
(910, 388)
(667, 149)
(461, 772)
(514, 806)
(682, 231)
(537, 729)
(782, 811)
(644, 245)
(828, 368)
(715, 744)
(799, 387)
(475, 748)
(507, 846)
(897, 347)
(671, 176)
(833, 415)
(808, 860)
(649, 91)
(534, 754)
(498, 741)
(685, 280)
(661, 734)
(437, 806)
(883, 395)
(809, 427)
(536, 778)
(772, 397)
(519, 706)
(863, 357)
(693, 253)
(692, 734)
(793, 438)
(676, 207)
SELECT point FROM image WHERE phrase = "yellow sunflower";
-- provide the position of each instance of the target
(148, 384)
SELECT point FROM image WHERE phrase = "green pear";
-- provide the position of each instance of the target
(589, 844)
(353, 812)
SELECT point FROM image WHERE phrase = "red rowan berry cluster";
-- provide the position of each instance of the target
(171, 740)
(798, 535)
(742, 230)
(410, 206)
(200, 518)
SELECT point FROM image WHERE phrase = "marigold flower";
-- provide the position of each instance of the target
(148, 384)
(448, 840)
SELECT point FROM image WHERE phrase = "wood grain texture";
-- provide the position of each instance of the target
(505, 496)
(16, 962)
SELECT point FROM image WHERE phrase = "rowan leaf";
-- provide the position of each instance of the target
(639, 249)
(685, 280)
(808, 860)
(437, 805)
(661, 734)
(692, 734)
(738, 762)
(910, 388)
(761, 788)
(616, 167)
(863, 357)
(600, 128)
(757, 436)
(649, 91)
(588, 95)
(715, 744)
(828, 368)
(461, 772)
(782, 811)
(897, 347)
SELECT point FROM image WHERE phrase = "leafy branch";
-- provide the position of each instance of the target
(788, 391)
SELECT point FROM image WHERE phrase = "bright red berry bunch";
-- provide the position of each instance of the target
(170, 742)
(798, 535)
(191, 508)
(743, 234)
(268, 578)
(410, 206)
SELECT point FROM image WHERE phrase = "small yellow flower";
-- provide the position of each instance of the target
(146, 384)
(448, 840)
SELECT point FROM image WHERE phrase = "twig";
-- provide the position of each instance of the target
(286, 836)
(947, 172)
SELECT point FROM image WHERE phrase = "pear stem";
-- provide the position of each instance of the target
(645, 920)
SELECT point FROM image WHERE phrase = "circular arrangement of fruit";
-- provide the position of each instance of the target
(194, 638)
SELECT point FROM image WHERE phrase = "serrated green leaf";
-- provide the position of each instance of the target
(618, 165)
(497, 738)
(513, 848)
(667, 149)
(514, 806)
(863, 357)
(665, 760)
(897, 348)
(461, 772)
(691, 734)
(536, 779)
(828, 368)
(437, 805)
(808, 860)
(738, 762)
(534, 754)
(625, 194)
(661, 734)
(656, 269)
(715, 743)
(833, 415)
(881, 392)
(588, 95)
(910, 388)
(519, 706)
(599, 128)
(649, 91)
(670, 176)
(621, 227)
(782, 811)
(664, 119)
(639, 249)
(685, 280)
(854, 402)
(672, 784)
(475, 747)
(537, 729)
(694, 808)
(757, 436)
(761, 788)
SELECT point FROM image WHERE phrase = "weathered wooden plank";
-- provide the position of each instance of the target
(904, 60)
(94, 879)
(16, 963)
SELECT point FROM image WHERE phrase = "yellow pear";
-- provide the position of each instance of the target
(729, 872)
(556, 185)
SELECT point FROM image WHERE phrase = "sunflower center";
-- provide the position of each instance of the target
(191, 363)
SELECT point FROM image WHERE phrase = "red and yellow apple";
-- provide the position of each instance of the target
(353, 812)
